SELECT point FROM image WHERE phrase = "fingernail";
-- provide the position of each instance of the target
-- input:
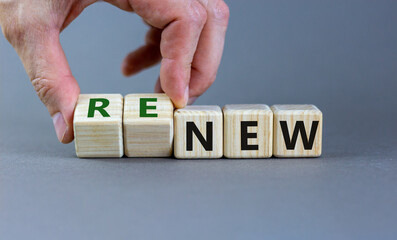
(60, 125)
(187, 95)
(191, 100)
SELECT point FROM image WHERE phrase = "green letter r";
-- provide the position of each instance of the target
(101, 109)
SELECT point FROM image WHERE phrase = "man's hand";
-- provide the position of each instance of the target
(187, 36)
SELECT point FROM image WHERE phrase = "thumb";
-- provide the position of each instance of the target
(50, 74)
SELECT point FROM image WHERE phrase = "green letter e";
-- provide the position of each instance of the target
(92, 107)
(144, 107)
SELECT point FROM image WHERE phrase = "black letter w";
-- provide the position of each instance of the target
(299, 127)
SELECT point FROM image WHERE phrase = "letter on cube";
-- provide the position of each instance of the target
(248, 131)
(98, 125)
(148, 125)
(198, 132)
(297, 131)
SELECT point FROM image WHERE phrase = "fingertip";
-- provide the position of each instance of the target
(179, 104)
(178, 101)
(140, 59)
(181, 101)
(63, 131)
(61, 108)
(68, 136)
(126, 68)
(174, 77)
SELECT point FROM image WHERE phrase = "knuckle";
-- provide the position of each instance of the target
(221, 12)
(11, 32)
(197, 14)
(20, 26)
(44, 89)
(13, 23)
(16, 32)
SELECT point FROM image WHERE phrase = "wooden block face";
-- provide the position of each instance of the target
(98, 125)
(248, 131)
(148, 125)
(297, 131)
(193, 123)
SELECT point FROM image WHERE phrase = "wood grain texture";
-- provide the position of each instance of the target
(233, 116)
(99, 136)
(148, 136)
(199, 115)
(291, 114)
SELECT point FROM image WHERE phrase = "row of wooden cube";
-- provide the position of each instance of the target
(147, 125)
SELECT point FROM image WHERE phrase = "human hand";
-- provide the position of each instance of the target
(187, 36)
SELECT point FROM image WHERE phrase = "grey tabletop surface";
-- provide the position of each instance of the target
(338, 55)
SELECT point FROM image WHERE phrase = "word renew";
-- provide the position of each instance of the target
(147, 125)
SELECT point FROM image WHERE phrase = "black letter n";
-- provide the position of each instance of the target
(190, 128)
(299, 127)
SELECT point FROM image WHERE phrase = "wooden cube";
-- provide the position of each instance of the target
(148, 125)
(297, 131)
(198, 132)
(247, 131)
(98, 125)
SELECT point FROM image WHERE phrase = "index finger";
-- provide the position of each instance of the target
(182, 23)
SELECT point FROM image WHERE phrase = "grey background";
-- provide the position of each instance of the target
(339, 55)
